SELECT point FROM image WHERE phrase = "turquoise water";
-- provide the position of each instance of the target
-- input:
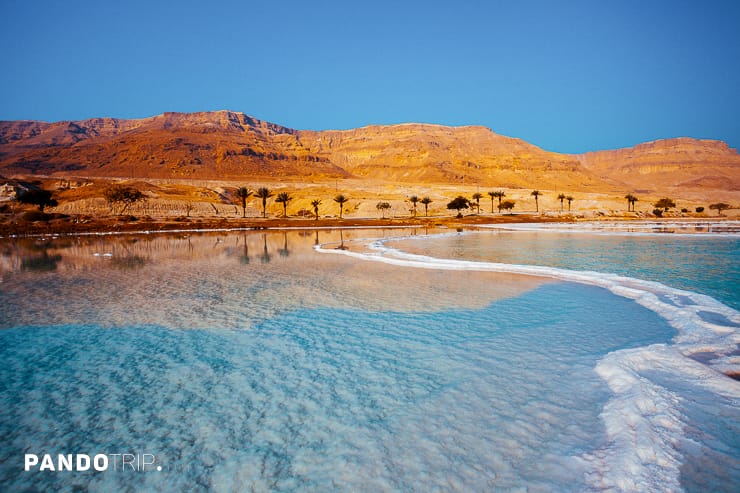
(249, 361)
(705, 264)
(315, 395)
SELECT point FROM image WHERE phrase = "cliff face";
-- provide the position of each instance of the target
(670, 163)
(231, 145)
(220, 144)
(433, 153)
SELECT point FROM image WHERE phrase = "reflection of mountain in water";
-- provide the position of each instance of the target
(185, 280)
(138, 251)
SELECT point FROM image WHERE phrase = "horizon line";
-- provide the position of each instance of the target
(404, 123)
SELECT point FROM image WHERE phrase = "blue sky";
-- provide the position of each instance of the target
(569, 76)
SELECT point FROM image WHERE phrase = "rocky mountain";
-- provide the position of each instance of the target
(672, 163)
(173, 145)
(438, 154)
(230, 145)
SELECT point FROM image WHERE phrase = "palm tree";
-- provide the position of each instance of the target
(284, 198)
(414, 199)
(476, 197)
(497, 194)
(569, 199)
(426, 201)
(242, 193)
(536, 194)
(316, 203)
(341, 200)
(561, 197)
(631, 199)
(382, 207)
(264, 194)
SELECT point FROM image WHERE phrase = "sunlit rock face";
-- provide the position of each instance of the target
(684, 163)
(226, 144)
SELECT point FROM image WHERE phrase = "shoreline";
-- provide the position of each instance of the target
(714, 342)
(60, 225)
(71, 226)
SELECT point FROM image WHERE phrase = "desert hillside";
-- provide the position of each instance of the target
(225, 145)
(679, 164)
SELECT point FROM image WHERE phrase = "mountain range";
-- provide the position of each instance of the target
(233, 146)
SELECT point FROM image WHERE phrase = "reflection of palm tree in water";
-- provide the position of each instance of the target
(244, 259)
(265, 257)
(341, 241)
(317, 238)
(284, 252)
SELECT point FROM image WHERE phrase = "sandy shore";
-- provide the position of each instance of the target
(61, 224)
(70, 225)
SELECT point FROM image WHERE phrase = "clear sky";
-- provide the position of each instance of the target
(569, 76)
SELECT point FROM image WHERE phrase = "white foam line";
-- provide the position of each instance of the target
(643, 424)
(683, 316)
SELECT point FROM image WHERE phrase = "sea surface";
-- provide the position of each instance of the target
(541, 359)
(702, 257)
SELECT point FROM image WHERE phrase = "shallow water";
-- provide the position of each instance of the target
(249, 360)
(702, 263)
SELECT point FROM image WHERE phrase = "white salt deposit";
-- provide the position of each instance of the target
(644, 427)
